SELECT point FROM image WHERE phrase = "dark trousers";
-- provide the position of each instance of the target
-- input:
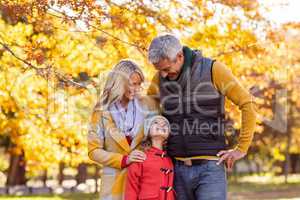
(204, 181)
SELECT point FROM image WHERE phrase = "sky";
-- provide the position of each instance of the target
(282, 11)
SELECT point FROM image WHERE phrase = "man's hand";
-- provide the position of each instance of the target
(230, 156)
(136, 156)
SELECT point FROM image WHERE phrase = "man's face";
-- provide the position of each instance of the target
(170, 68)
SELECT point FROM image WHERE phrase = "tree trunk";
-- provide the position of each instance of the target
(290, 124)
(294, 161)
(44, 177)
(17, 171)
(61, 173)
(81, 173)
(287, 158)
(250, 170)
(96, 176)
(257, 167)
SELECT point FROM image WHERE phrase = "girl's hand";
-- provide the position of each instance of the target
(136, 156)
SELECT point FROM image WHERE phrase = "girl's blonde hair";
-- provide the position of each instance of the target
(117, 82)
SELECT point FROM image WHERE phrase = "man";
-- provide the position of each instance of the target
(191, 89)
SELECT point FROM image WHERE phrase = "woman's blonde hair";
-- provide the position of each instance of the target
(117, 81)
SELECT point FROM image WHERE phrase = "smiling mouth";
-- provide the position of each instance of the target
(172, 75)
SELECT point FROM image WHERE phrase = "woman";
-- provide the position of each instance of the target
(116, 127)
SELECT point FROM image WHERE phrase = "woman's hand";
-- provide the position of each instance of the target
(136, 156)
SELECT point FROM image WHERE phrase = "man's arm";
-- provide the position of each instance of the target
(229, 86)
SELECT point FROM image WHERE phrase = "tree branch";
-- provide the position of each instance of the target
(97, 28)
(5, 46)
(43, 71)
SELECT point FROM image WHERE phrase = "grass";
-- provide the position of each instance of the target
(252, 187)
(265, 187)
(256, 183)
(73, 196)
(255, 187)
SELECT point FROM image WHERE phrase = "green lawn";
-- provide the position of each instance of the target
(265, 188)
(247, 188)
(54, 197)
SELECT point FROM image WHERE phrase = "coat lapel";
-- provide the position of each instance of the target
(115, 133)
(138, 138)
(119, 137)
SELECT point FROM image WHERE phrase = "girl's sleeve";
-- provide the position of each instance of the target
(96, 151)
(132, 188)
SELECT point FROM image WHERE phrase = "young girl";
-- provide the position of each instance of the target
(153, 178)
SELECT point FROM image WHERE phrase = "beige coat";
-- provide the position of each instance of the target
(109, 151)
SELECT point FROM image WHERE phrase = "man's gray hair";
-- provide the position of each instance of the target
(162, 47)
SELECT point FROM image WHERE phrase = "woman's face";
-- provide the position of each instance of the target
(134, 86)
(159, 128)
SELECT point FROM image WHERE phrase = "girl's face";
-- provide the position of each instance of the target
(134, 86)
(159, 129)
